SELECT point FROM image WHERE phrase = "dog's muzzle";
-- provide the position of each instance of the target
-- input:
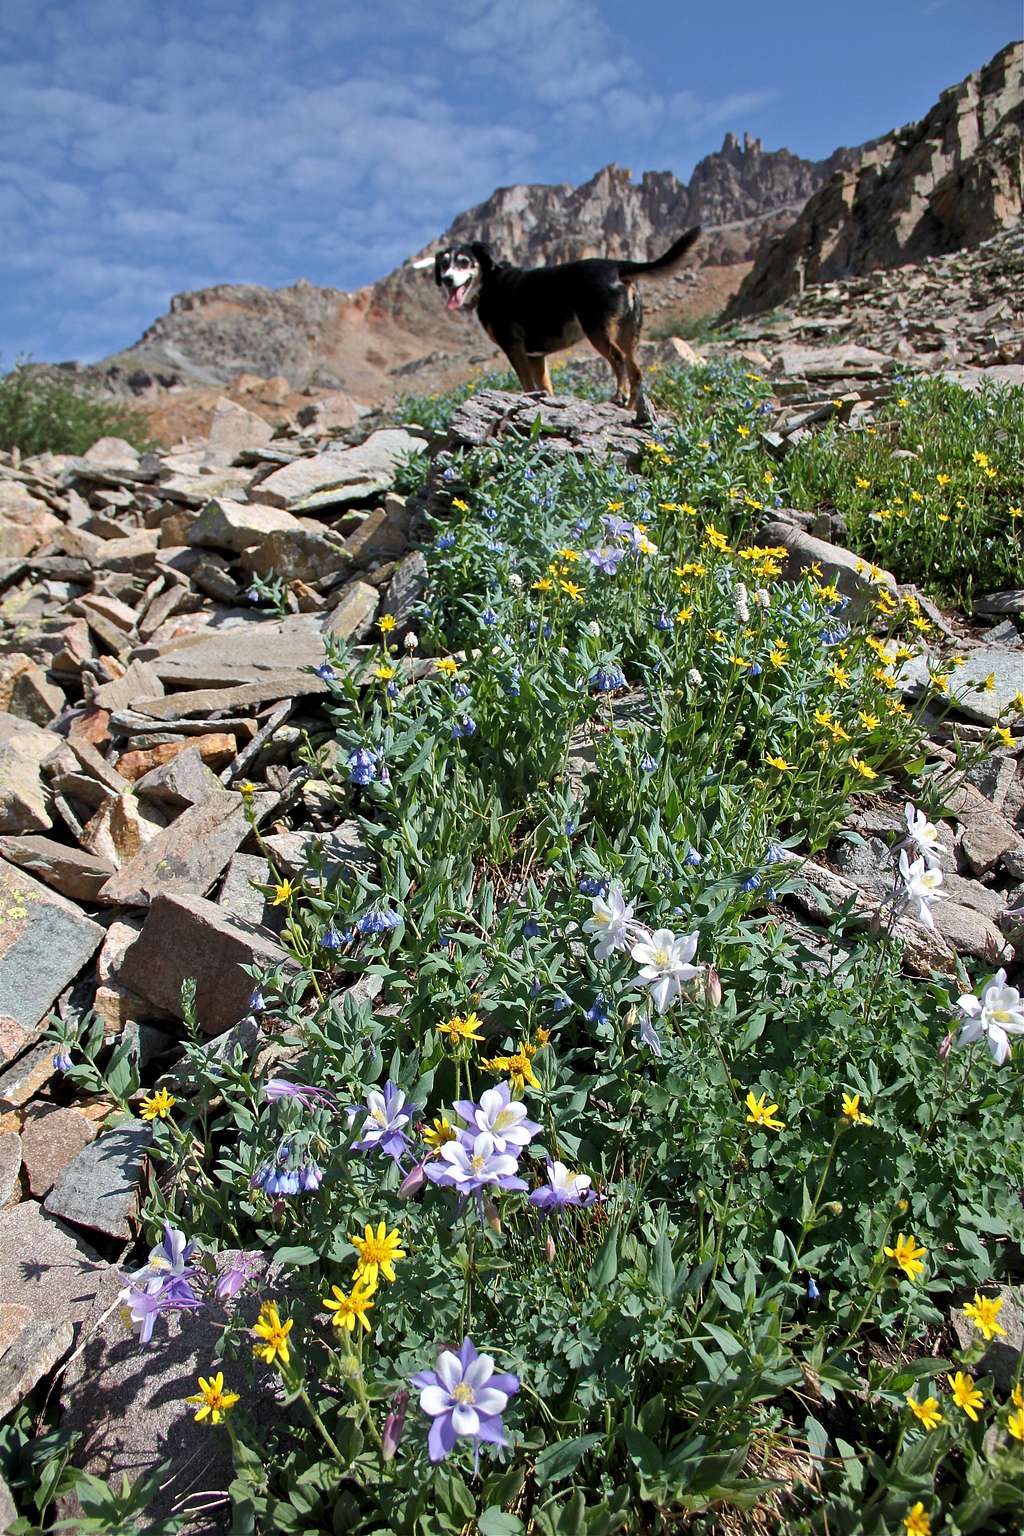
(458, 290)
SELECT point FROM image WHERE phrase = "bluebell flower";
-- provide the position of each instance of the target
(531, 928)
(751, 884)
(489, 617)
(490, 515)
(774, 854)
(460, 691)
(570, 827)
(253, 594)
(535, 499)
(755, 669)
(591, 886)
(495, 547)
(648, 763)
(510, 687)
(772, 894)
(835, 635)
(379, 920)
(607, 679)
(547, 631)
(663, 621)
(597, 1013)
(311, 1176)
(449, 474)
(444, 541)
(326, 672)
(256, 1003)
(529, 474)
(362, 765)
(62, 1060)
(392, 692)
(812, 1290)
(561, 1003)
(535, 986)
(692, 857)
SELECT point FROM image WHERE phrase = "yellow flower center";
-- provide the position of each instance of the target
(477, 1163)
(463, 1393)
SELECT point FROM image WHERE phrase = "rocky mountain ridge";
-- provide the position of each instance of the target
(951, 180)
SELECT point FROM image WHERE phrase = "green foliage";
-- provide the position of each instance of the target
(677, 1370)
(40, 414)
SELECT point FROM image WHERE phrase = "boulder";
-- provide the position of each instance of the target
(44, 943)
(238, 525)
(850, 572)
(99, 1188)
(341, 476)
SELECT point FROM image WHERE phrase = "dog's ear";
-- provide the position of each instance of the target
(439, 260)
(484, 255)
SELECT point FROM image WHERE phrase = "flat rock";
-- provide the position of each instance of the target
(72, 871)
(1002, 1357)
(568, 425)
(185, 780)
(138, 681)
(214, 747)
(186, 936)
(406, 588)
(187, 856)
(35, 1351)
(99, 1189)
(850, 572)
(51, 1138)
(382, 535)
(353, 614)
(297, 554)
(845, 360)
(113, 451)
(1000, 603)
(336, 852)
(238, 525)
(204, 701)
(232, 430)
(49, 1269)
(239, 897)
(120, 829)
(339, 476)
(986, 836)
(10, 1169)
(34, 697)
(1004, 665)
(44, 943)
(24, 748)
(22, 1081)
(260, 651)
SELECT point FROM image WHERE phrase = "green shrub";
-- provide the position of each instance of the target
(42, 415)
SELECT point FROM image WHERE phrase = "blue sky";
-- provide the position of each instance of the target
(147, 148)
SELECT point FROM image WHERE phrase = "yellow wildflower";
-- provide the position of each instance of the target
(438, 1133)
(447, 666)
(214, 1401)
(966, 1394)
(714, 538)
(907, 1254)
(759, 1112)
(386, 623)
(869, 722)
(458, 502)
(852, 1109)
(517, 1066)
(864, 769)
(778, 763)
(927, 1412)
(572, 590)
(273, 1334)
(157, 1106)
(379, 1252)
(459, 1028)
(983, 1312)
(351, 1309)
(917, 1521)
(282, 893)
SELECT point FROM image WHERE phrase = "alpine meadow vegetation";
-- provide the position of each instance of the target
(585, 1188)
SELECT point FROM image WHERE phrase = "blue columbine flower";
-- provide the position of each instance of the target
(464, 1396)
(385, 1116)
(606, 558)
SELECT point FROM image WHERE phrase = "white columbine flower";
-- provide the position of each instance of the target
(922, 834)
(921, 887)
(664, 962)
(610, 924)
(998, 1013)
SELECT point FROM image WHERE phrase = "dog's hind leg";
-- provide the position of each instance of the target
(601, 338)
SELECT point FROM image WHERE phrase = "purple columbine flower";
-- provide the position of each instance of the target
(326, 672)
(235, 1274)
(62, 1060)
(362, 765)
(276, 1088)
(394, 1424)
(607, 679)
(379, 920)
(385, 1116)
(168, 1268)
(606, 558)
(617, 526)
(563, 1188)
(472, 1166)
(141, 1308)
(501, 1117)
(465, 1397)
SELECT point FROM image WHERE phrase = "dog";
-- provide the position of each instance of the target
(531, 312)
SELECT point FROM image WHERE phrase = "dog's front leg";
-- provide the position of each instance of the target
(523, 366)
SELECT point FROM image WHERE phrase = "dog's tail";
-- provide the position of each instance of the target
(665, 265)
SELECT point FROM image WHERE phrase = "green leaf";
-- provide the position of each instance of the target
(300, 1255)
(496, 1522)
(558, 1460)
(606, 1265)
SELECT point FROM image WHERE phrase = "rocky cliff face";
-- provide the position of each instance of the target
(951, 180)
(323, 338)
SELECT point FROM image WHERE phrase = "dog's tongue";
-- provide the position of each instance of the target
(456, 297)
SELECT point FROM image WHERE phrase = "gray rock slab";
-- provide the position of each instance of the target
(51, 1139)
(10, 1164)
(406, 588)
(1002, 1357)
(34, 1352)
(125, 1401)
(239, 897)
(22, 1081)
(1004, 665)
(187, 936)
(335, 852)
(138, 681)
(297, 554)
(71, 871)
(44, 943)
(185, 780)
(237, 525)
(49, 1269)
(259, 651)
(204, 702)
(99, 1189)
(569, 425)
(24, 748)
(353, 613)
(186, 856)
(850, 572)
(340, 476)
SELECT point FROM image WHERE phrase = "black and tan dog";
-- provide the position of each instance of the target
(531, 312)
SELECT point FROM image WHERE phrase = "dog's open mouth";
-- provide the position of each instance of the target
(459, 294)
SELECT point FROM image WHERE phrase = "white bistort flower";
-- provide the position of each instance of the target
(920, 887)
(922, 834)
(665, 966)
(999, 1012)
(610, 925)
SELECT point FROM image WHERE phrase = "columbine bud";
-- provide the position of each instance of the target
(410, 642)
(712, 987)
(413, 1182)
(393, 1426)
(549, 1249)
(946, 1046)
(632, 1014)
(834, 1207)
(493, 1219)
